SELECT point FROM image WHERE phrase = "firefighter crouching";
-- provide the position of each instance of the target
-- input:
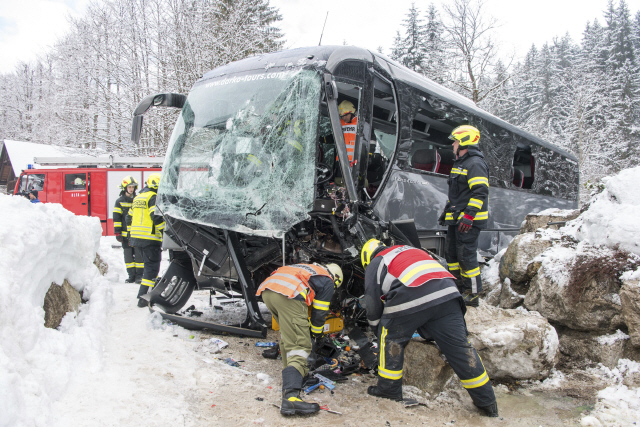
(466, 211)
(145, 232)
(288, 293)
(132, 256)
(407, 290)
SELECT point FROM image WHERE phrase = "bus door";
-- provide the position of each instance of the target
(75, 196)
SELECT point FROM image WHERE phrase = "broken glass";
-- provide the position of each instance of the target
(242, 155)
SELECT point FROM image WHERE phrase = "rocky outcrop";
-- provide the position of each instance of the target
(58, 301)
(594, 305)
(517, 262)
(535, 221)
(587, 346)
(630, 300)
(513, 344)
(103, 267)
(510, 298)
(424, 367)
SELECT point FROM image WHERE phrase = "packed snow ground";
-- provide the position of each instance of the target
(116, 364)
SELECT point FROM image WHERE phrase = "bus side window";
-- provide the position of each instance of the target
(383, 136)
(523, 169)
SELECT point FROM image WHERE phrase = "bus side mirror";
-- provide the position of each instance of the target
(170, 100)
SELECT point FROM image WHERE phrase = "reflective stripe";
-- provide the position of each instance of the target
(374, 322)
(382, 344)
(144, 236)
(453, 266)
(418, 267)
(316, 329)
(449, 216)
(147, 282)
(482, 215)
(130, 265)
(300, 353)
(392, 375)
(474, 285)
(420, 301)
(459, 171)
(476, 382)
(117, 224)
(125, 205)
(295, 144)
(476, 203)
(254, 159)
(321, 305)
(471, 273)
(139, 265)
(287, 285)
(478, 181)
(124, 233)
(117, 210)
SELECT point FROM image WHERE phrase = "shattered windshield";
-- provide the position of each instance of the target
(242, 154)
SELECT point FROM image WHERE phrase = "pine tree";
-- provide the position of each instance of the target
(410, 49)
(435, 65)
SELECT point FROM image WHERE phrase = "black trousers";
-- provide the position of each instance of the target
(460, 251)
(152, 255)
(133, 260)
(445, 324)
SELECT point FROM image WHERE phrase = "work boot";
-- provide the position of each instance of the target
(142, 291)
(271, 353)
(291, 402)
(130, 280)
(490, 411)
(379, 392)
(470, 299)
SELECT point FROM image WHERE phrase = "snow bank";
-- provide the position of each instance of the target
(609, 220)
(41, 244)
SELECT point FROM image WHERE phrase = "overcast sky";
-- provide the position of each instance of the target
(28, 27)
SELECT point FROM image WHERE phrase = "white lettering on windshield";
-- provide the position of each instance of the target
(282, 75)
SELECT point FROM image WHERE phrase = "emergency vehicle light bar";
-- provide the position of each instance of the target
(111, 161)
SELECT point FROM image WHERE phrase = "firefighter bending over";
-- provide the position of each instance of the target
(145, 232)
(288, 293)
(466, 212)
(407, 290)
(132, 256)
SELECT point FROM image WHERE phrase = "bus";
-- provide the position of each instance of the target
(257, 173)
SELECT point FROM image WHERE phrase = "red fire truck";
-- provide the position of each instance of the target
(86, 185)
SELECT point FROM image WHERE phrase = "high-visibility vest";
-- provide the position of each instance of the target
(412, 267)
(292, 280)
(349, 132)
(142, 225)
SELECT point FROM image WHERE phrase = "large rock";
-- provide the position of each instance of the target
(535, 221)
(630, 300)
(58, 301)
(591, 305)
(509, 297)
(513, 344)
(588, 346)
(103, 267)
(517, 262)
(424, 367)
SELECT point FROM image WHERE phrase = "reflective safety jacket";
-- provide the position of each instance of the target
(403, 280)
(469, 189)
(305, 282)
(120, 211)
(144, 227)
(349, 132)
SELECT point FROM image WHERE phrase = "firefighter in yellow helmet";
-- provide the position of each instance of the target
(288, 293)
(349, 122)
(406, 290)
(466, 211)
(145, 232)
(132, 256)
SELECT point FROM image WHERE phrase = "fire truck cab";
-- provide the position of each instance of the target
(86, 186)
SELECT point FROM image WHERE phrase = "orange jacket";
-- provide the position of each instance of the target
(349, 132)
(291, 280)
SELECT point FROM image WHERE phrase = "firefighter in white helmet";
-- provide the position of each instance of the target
(145, 232)
(288, 293)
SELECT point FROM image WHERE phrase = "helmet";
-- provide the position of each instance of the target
(368, 249)
(466, 135)
(346, 107)
(153, 181)
(127, 181)
(336, 272)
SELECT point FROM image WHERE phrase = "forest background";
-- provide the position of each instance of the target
(583, 96)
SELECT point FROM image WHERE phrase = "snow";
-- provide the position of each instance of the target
(45, 243)
(611, 339)
(608, 219)
(21, 154)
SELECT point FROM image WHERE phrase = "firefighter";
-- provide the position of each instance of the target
(466, 211)
(407, 290)
(132, 256)
(145, 232)
(349, 122)
(288, 293)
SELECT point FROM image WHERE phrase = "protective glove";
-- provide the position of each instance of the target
(442, 218)
(119, 238)
(464, 225)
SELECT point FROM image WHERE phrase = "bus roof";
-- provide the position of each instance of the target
(328, 57)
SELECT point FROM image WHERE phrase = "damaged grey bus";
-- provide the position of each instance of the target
(257, 173)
